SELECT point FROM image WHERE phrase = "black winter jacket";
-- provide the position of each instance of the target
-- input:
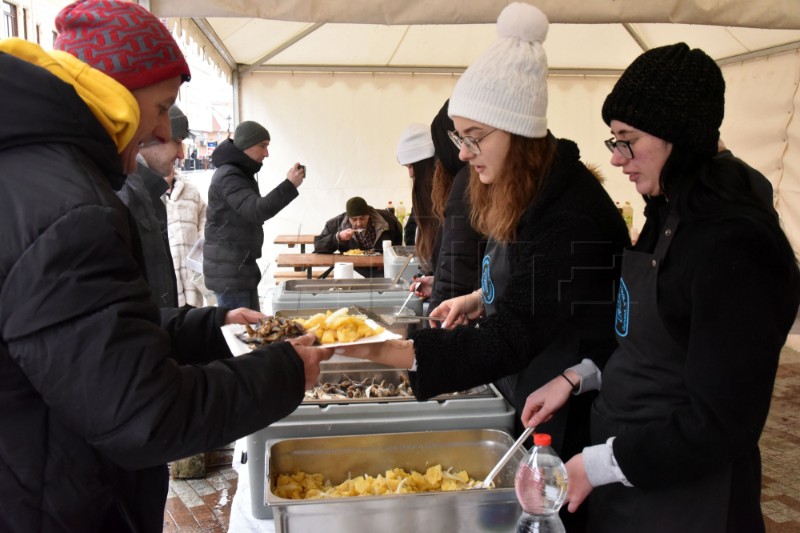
(141, 193)
(458, 270)
(98, 390)
(234, 220)
(558, 306)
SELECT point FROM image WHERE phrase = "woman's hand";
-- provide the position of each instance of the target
(578, 487)
(546, 400)
(423, 287)
(243, 315)
(460, 310)
(396, 353)
(311, 355)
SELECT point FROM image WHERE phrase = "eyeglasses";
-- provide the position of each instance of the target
(624, 147)
(470, 142)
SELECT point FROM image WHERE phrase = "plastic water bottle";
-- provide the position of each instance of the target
(541, 485)
(627, 214)
(401, 213)
(390, 207)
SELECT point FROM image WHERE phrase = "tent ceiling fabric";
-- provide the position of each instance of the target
(598, 37)
(756, 14)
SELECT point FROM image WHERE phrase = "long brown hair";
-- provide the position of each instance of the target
(427, 223)
(442, 183)
(497, 208)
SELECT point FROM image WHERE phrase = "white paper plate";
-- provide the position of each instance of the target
(238, 347)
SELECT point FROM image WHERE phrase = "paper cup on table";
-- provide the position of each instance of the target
(343, 271)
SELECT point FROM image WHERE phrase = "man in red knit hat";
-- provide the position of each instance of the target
(98, 389)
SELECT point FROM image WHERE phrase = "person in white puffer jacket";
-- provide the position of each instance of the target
(186, 220)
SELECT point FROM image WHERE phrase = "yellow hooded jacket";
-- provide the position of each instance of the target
(112, 104)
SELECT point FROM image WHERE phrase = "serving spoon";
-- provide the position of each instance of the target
(503, 460)
(399, 311)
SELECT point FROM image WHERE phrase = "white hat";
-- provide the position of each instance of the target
(415, 144)
(506, 87)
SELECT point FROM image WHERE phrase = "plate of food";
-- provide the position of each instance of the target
(332, 329)
(358, 251)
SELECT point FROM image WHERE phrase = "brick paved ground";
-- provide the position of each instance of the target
(203, 505)
(197, 506)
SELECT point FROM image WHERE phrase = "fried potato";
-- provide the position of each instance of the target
(338, 326)
(302, 486)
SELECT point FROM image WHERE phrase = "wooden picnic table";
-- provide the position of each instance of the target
(294, 239)
(309, 261)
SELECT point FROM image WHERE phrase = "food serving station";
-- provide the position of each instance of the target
(331, 411)
(369, 293)
(472, 510)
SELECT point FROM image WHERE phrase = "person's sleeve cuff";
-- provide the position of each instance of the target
(591, 377)
(601, 466)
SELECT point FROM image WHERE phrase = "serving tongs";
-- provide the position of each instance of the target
(486, 483)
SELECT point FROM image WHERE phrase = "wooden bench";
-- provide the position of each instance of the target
(283, 275)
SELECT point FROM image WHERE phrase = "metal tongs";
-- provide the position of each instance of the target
(503, 460)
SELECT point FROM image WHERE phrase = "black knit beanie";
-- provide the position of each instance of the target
(674, 93)
(446, 151)
(356, 207)
(249, 133)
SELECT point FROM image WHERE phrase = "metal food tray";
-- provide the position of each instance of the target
(345, 285)
(447, 412)
(337, 458)
(369, 293)
(358, 371)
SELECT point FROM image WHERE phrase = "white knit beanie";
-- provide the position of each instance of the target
(416, 144)
(506, 87)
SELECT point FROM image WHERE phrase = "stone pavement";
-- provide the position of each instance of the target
(203, 506)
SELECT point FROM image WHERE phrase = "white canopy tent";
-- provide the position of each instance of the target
(336, 82)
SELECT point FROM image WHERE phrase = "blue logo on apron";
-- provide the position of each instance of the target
(623, 310)
(487, 287)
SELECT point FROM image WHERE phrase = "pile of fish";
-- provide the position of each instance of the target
(270, 329)
(347, 388)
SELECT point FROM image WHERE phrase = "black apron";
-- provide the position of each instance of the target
(642, 382)
(495, 273)
(561, 352)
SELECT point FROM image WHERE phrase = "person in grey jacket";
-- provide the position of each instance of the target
(236, 213)
(142, 193)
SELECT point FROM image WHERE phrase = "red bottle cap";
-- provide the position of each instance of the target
(542, 439)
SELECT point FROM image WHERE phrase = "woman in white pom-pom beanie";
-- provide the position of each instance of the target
(549, 272)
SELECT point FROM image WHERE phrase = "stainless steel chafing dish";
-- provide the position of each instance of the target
(469, 511)
(369, 293)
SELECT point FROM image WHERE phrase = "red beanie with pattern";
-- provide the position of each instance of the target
(121, 39)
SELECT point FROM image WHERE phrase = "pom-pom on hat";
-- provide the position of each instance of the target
(506, 87)
(674, 93)
(121, 39)
(249, 133)
(415, 144)
(178, 123)
(356, 207)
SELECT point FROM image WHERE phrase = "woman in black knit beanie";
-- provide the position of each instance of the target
(707, 297)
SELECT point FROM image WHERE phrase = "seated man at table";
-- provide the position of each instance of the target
(360, 227)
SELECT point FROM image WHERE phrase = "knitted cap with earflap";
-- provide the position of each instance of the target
(506, 87)
(121, 39)
(674, 93)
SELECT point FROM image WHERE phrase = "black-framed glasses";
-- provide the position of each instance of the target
(624, 147)
(470, 142)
